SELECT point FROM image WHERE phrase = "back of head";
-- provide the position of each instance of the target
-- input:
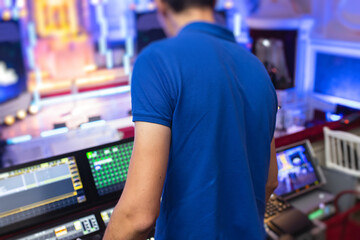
(181, 5)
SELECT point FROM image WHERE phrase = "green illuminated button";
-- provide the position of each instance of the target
(316, 214)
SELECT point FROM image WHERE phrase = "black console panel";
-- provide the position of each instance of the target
(63, 197)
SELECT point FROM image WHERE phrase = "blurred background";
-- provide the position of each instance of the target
(66, 65)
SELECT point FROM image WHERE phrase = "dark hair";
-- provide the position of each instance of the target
(181, 5)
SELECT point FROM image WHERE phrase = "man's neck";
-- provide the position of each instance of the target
(180, 20)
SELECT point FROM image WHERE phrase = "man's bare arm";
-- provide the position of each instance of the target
(272, 182)
(139, 206)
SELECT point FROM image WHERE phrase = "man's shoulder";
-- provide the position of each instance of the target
(157, 54)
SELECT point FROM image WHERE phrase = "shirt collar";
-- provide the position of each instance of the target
(209, 28)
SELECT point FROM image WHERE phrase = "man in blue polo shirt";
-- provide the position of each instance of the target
(204, 111)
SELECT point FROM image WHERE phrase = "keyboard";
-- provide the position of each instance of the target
(274, 207)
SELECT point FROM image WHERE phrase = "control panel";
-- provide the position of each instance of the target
(89, 183)
(81, 183)
(274, 207)
(70, 230)
(106, 215)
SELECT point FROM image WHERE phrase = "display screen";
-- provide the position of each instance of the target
(109, 167)
(39, 189)
(148, 29)
(296, 170)
(337, 76)
(12, 68)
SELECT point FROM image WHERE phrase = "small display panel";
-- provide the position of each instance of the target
(71, 230)
(39, 189)
(109, 167)
(296, 170)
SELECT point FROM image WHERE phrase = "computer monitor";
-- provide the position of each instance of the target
(148, 29)
(297, 171)
(109, 166)
(39, 189)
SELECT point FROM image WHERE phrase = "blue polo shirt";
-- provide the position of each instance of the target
(220, 104)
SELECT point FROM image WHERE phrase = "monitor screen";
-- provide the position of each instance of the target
(39, 189)
(335, 76)
(12, 67)
(296, 170)
(109, 167)
(148, 29)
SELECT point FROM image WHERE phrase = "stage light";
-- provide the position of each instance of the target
(266, 43)
(93, 124)
(151, 6)
(229, 5)
(33, 109)
(6, 15)
(20, 3)
(332, 117)
(54, 132)
(9, 120)
(21, 114)
(23, 13)
(20, 139)
(90, 68)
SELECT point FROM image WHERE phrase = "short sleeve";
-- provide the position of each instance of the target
(151, 95)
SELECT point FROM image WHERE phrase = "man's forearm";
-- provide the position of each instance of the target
(269, 191)
(122, 227)
(272, 181)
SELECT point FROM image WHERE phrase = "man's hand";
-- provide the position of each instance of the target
(138, 208)
(272, 182)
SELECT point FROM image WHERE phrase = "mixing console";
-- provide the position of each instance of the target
(106, 215)
(274, 207)
(78, 184)
(70, 230)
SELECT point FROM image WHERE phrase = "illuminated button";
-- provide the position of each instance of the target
(77, 225)
(105, 216)
(60, 231)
